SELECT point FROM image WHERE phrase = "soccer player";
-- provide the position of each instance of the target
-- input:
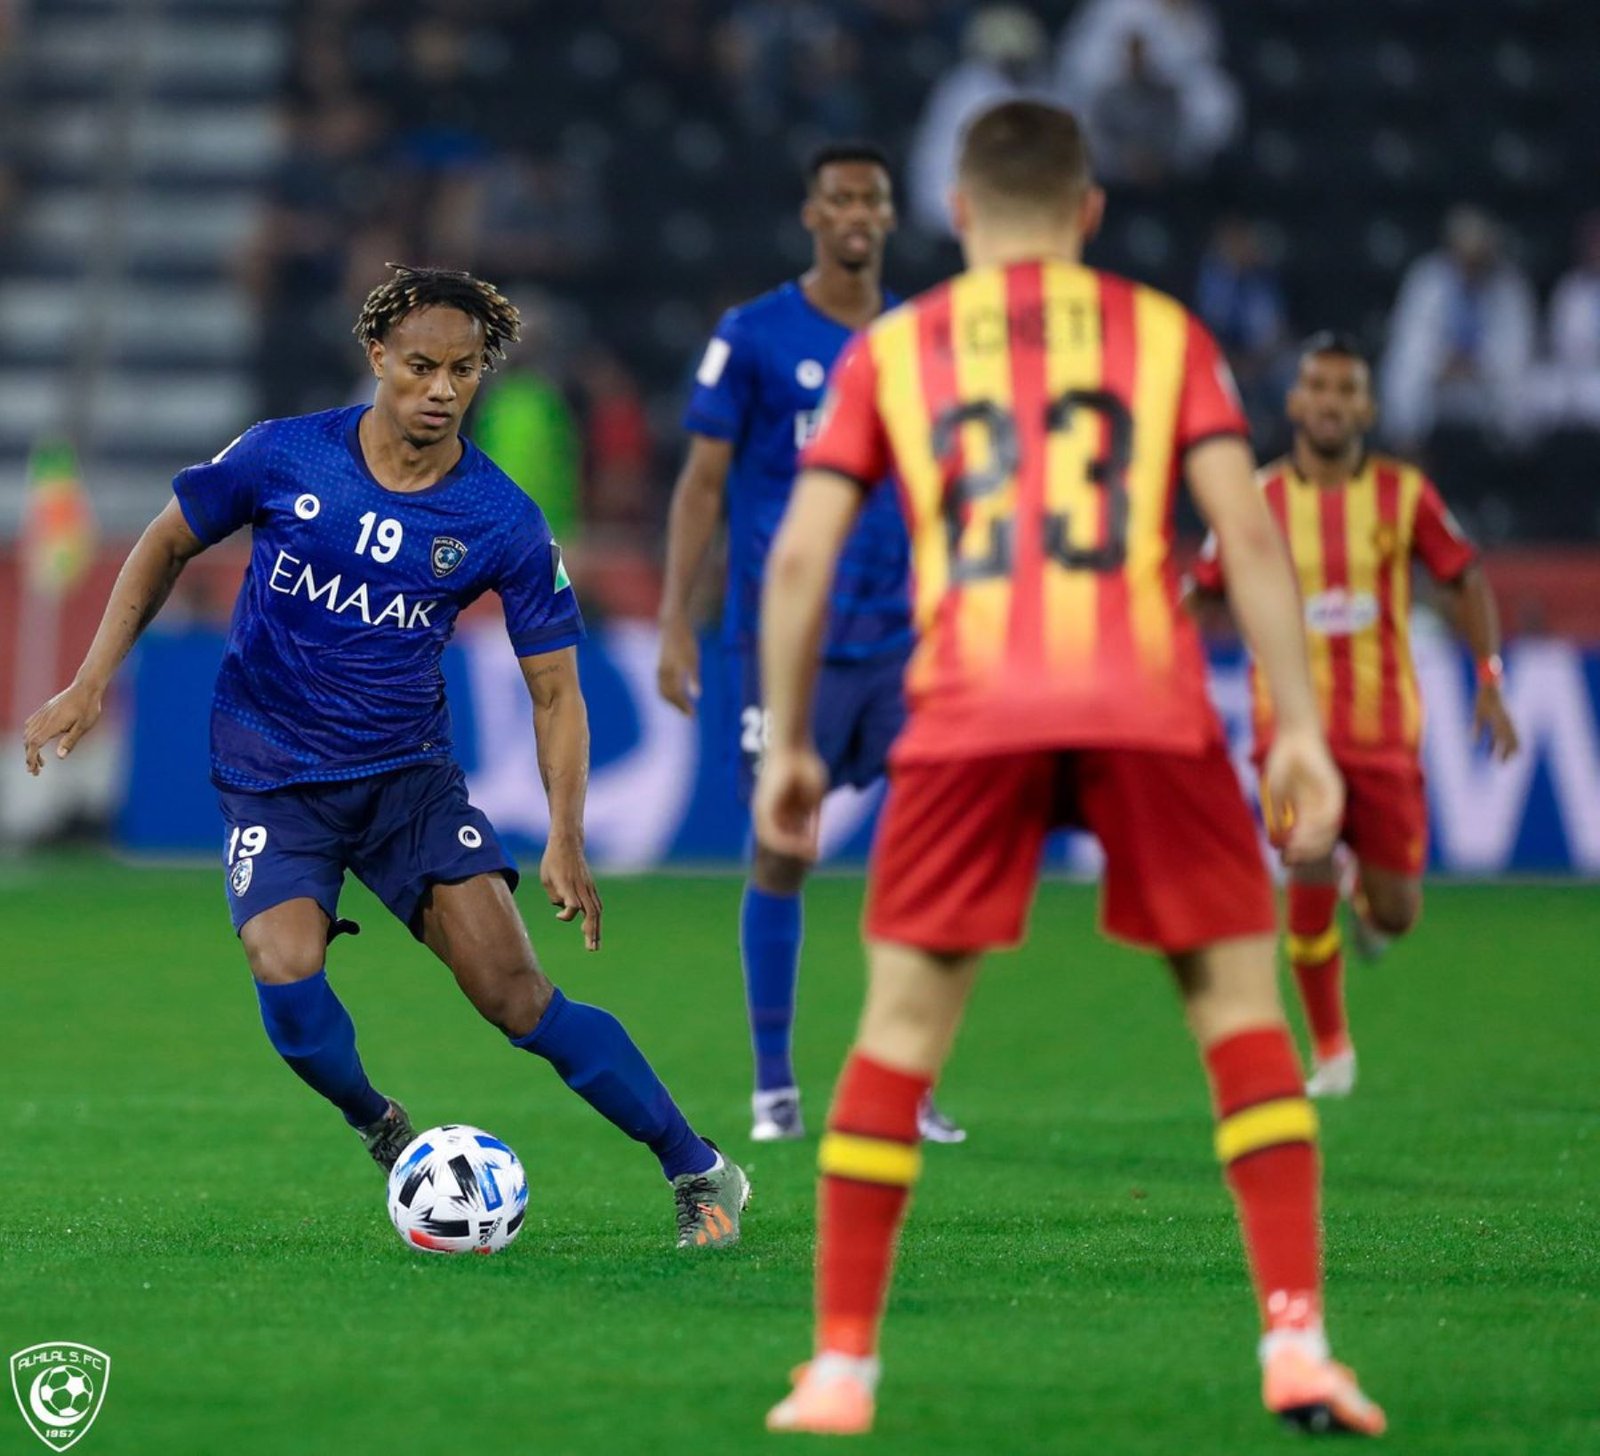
(1036, 414)
(754, 404)
(330, 736)
(1355, 523)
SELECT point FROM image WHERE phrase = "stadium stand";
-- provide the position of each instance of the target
(215, 175)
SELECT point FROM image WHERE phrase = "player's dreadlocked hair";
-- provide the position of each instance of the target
(414, 288)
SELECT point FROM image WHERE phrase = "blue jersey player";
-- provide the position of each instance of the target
(330, 738)
(757, 391)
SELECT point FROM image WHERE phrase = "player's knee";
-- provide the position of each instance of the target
(281, 962)
(1394, 909)
(777, 874)
(512, 997)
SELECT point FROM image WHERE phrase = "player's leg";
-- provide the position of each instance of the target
(771, 931)
(953, 872)
(284, 866)
(472, 925)
(308, 1025)
(877, 695)
(1184, 876)
(435, 861)
(1316, 956)
(1386, 825)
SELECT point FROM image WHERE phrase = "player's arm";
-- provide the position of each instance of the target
(1265, 602)
(794, 606)
(561, 729)
(1477, 620)
(692, 522)
(143, 584)
(1452, 560)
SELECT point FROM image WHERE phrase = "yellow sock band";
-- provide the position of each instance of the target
(1313, 950)
(1284, 1120)
(869, 1160)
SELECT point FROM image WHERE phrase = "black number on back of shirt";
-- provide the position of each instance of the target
(1109, 472)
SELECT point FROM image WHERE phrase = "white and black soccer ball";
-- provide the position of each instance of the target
(457, 1190)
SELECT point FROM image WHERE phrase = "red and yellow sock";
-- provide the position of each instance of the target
(869, 1161)
(1316, 951)
(1267, 1144)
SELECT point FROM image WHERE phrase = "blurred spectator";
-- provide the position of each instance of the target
(539, 217)
(1132, 63)
(1239, 296)
(1461, 338)
(329, 185)
(792, 61)
(523, 422)
(1573, 391)
(1004, 54)
(1135, 121)
(618, 500)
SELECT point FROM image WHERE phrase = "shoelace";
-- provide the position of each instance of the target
(688, 1196)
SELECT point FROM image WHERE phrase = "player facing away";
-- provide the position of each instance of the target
(1037, 414)
(330, 735)
(754, 405)
(1355, 522)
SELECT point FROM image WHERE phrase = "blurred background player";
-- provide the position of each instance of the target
(1036, 414)
(330, 736)
(1355, 522)
(754, 405)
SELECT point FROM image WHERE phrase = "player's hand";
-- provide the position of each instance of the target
(788, 800)
(1491, 721)
(1304, 797)
(564, 873)
(67, 716)
(678, 670)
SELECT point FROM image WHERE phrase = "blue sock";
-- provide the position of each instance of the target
(597, 1059)
(310, 1029)
(769, 943)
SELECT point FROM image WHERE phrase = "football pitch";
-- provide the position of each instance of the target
(1070, 1281)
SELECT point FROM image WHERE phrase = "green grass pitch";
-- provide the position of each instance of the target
(1070, 1280)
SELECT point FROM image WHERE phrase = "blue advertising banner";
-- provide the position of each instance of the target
(663, 787)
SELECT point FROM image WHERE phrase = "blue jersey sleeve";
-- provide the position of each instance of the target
(540, 605)
(724, 384)
(219, 497)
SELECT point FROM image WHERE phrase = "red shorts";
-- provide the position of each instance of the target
(1386, 816)
(957, 854)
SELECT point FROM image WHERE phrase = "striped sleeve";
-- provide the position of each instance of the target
(850, 438)
(1209, 405)
(1437, 538)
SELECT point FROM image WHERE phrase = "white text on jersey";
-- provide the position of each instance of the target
(290, 583)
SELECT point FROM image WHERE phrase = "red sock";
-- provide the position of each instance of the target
(1266, 1141)
(1317, 955)
(869, 1159)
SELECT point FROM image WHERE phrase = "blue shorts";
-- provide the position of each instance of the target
(861, 708)
(397, 832)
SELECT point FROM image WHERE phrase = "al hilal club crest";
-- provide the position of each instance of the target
(60, 1387)
(448, 553)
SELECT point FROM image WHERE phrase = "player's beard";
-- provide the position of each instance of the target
(1330, 451)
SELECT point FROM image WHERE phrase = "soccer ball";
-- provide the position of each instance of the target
(66, 1391)
(456, 1190)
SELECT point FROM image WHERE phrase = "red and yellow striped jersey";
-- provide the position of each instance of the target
(1353, 545)
(1034, 418)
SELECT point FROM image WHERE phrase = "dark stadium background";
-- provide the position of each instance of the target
(194, 197)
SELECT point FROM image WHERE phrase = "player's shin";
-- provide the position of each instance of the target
(310, 1029)
(1316, 952)
(1266, 1142)
(869, 1160)
(597, 1059)
(769, 942)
